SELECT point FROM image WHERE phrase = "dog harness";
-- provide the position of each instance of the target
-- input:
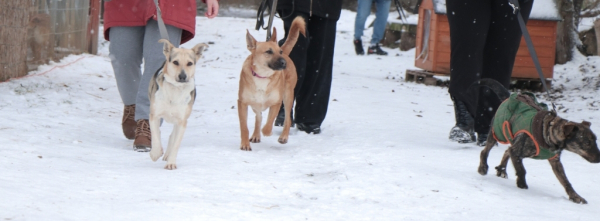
(522, 113)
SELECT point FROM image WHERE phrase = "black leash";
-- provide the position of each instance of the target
(517, 11)
(400, 10)
(260, 19)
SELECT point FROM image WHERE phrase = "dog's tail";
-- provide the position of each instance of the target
(493, 85)
(298, 26)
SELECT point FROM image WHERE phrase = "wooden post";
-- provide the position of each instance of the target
(14, 17)
(93, 25)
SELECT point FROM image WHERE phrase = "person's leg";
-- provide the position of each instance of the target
(313, 98)
(363, 10)
(125, 52)
(381, 18)
(469, 23)
(298, 56)
(502, 44)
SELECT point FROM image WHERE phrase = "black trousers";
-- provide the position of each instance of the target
(484, 39)
(313, 57)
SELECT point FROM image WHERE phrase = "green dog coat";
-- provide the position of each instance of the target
(517, 115)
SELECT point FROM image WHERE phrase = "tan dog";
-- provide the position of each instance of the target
(268, 77)
(172, 93)
(39, 38)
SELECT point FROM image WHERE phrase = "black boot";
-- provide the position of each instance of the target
(309, 128)
(358, 47)
(482, 139)
(463, 131)
(375, 49)
(280, 119)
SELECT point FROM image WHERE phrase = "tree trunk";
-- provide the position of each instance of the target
(567, 38)
(14, 17)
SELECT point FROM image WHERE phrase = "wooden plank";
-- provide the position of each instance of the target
(526, 61)
(530, 72)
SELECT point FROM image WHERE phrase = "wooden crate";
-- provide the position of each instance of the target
(433, 44)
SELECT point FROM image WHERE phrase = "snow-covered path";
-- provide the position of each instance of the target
(383, 153)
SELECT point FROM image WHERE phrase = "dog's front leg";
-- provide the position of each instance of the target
(273, 111)
(483, 166)
(244, 133)
(173, 148)
(256, 133)
(515, 152)
(559, 171)
(156, 150)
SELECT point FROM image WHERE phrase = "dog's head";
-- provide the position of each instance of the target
(579, 139)
(180, 65)
(267, 57)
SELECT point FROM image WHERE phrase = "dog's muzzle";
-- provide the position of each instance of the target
(278, 64)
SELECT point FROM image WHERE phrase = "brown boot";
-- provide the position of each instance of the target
(143, 137)
(128, 122)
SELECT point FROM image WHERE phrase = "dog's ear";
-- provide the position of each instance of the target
(198, 49)
(569, 129)
(274, 35)
(586, 123)
(167, 47)
(250, 41)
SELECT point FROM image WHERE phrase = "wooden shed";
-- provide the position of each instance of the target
(432, 52)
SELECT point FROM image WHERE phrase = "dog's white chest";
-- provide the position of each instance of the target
(260, 98)
(173, 104)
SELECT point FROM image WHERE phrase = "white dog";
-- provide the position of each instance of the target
(172, 93)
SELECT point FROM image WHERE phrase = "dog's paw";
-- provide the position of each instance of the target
(246, 147)
(522, 184)
(267, 131)
(255, 139)
(483, 169)
(171, 166)
(577, 199)
(501, 172)
(283, 140)
(155, 153)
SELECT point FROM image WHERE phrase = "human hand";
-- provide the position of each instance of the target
(212, 8)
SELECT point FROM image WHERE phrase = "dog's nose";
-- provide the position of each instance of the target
(282, 63)
(182, 77)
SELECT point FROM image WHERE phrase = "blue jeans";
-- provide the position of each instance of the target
(381, 15)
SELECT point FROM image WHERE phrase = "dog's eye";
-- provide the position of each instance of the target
(270, 51)
(189, 64)
(176, 63)
(280, 51)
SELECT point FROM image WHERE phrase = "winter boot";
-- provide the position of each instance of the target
(463, 131)
(128, 123)
(281, 118)
(482, 139)
(375, 49)
(143, 137)
(358, 47)
(309, 128)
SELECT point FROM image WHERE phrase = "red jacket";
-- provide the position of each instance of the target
(178, 13)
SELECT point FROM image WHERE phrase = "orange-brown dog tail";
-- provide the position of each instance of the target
(298, 26)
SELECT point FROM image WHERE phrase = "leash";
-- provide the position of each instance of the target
(517, 10)
(400, 10)
(161, 24)
(260, 20)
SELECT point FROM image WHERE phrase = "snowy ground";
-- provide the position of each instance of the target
(383, 153)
